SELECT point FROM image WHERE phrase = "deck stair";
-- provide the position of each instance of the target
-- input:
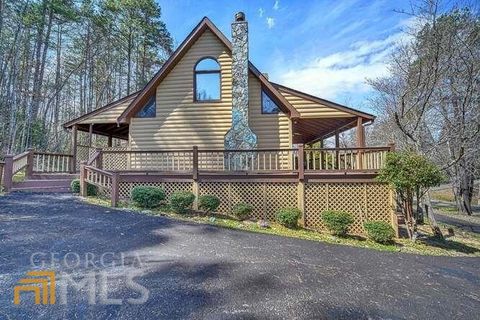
(45, 183)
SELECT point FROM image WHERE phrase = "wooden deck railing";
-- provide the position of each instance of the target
(52, 162)
(345, 159)
(248, 160)
(259, 160)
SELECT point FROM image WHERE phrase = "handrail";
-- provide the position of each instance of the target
(94, 169)
(20, 156)
(53, 153)
(94, 158)
(348, 149)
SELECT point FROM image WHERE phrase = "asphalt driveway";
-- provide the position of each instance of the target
(199, 271)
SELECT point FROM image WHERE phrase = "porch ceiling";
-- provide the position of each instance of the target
(106, 129)
(309, 130)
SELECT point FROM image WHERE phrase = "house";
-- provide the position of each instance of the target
(210, 122)
(191, 100)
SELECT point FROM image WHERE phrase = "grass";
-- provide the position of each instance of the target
(462, 244)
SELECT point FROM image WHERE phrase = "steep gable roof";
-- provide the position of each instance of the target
(205, 24)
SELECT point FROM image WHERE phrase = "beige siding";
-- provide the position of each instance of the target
(181, 123)
(312, 109)
(273, 130)
(110, 115)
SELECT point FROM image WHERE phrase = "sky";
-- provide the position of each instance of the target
(324, 48)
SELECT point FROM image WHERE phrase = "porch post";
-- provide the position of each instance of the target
(90, 133)
(73, 165)
(115, 191)
(360, 142)
(110, 140)
(337, 153)
(83, 177)
(29, 169)
(301, 184)
(8, 172)
(195, 176)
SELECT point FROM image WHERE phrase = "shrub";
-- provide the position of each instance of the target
(379, 231)
(181, 201)
(242, 211)
(75, 187)
(337, 222)
(208, 203)
(148, 197)
(288, 217)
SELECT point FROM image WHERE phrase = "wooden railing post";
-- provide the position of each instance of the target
(115, 192)
(29, 168)
(2, 165)
(301, 162)
(73, 159)
(195, 163)
(83, 177)
(195, 177)
(99, 159)
(8, 173)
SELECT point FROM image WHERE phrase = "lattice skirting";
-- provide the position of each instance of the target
(266, 198)
(365, 201)
(125, 188)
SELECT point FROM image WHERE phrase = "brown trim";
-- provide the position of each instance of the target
(195, 72)
(204, 24)
(328, 103)
(99, 110)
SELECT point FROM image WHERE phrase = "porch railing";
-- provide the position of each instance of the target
(345, 159)
(52, 162)
(34, 162)
(258, 160)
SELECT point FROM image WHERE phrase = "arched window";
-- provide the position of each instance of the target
(207, 80)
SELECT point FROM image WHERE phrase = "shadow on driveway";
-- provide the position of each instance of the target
(200, 271)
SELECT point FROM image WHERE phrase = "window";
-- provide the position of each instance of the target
(268, 106)
(207, 80)
(149, 110)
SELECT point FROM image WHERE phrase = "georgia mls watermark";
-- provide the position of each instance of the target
(93, 281)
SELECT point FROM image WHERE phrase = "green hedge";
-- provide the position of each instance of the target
(288, 217)
(148, 197)
(242, 211)
(208, 203)
(181, 201)
(337, 222)
(379, 231)
(75, 187)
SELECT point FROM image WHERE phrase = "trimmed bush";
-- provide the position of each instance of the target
(208, 203)
(242, 211)
(148, 197)
(337, 222)
(288, 217)
(181, 201)
(379, 231)
(75, 188)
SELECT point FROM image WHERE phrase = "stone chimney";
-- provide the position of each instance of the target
(240, 136)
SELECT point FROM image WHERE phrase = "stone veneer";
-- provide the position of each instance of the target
(240, 136)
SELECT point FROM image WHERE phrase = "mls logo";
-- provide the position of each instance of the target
(42, 285)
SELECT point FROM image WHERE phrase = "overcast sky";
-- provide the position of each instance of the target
(325, 48)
